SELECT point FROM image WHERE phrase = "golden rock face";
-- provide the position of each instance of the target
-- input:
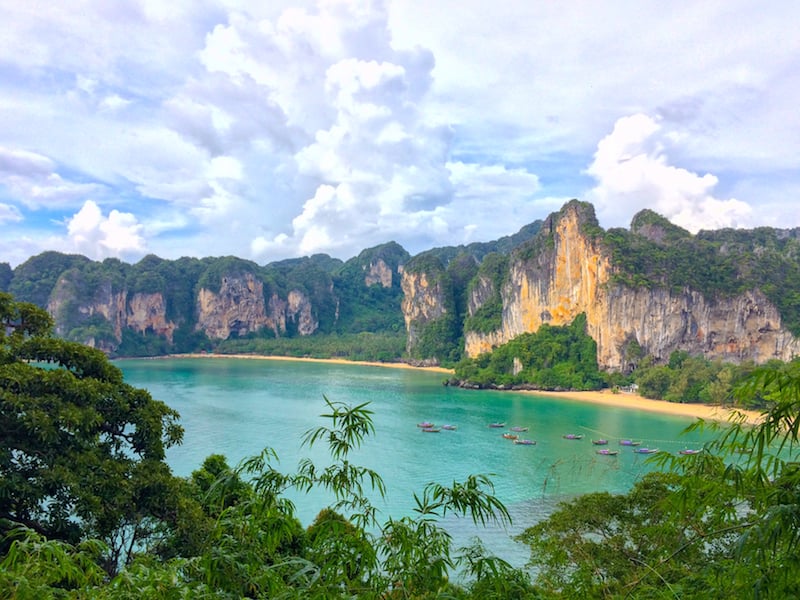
(572, 276)
(423, 301)
(149, 311)
(379, 272)
(240, 308)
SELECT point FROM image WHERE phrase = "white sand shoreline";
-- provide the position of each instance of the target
(603, 397)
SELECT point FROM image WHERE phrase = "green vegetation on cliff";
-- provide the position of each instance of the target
(656, 253)
(371, 308)
(35, 279)
(364, 293)
(719, 524)
(6, 274)
(552, 358)
(479, 250)
(489, 316)
(442, 338)
(90, 509)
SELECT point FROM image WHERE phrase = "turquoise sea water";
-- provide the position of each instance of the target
(238, 407)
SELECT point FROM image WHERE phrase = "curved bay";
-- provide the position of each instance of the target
(237, 407)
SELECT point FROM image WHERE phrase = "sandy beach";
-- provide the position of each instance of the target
(636, 402)
(605, 397)
(335, 361)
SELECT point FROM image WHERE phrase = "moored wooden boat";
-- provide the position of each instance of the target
(519, 429)
(629, 443)
(431, 429)
(573, 436)
(607, 452)
(645, 450)
(511, 436)
(525, 442)
(689, 451)
(497, 425)
(599, 442)
(449, 427)
(425, 424)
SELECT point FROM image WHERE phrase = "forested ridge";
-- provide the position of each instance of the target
(354, 307)
(724, 262)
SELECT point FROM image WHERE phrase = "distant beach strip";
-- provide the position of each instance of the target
(605, 397)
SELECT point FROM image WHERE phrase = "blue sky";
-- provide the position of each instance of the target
(218, 127)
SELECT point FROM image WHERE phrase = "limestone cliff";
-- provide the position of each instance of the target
(569, 271)
(98, 315)
(424, 301)
(79, 319)
(298, 311)
(70, 316)
(148, 312)
(239, 308)
(378, 272)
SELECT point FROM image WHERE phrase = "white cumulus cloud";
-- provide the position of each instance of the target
(98, 236)
(632, 171)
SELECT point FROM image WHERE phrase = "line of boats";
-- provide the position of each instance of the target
(636, 445)
(428, 427)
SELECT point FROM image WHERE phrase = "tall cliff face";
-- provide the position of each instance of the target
(557, 283)
(103, 303)
(424, 301)
(99, 315)
(148, 312)
(298, 310)
(378, 272)
(240, 308)
(568, 272)
(744, 327)
(237, 308)
(141, 312)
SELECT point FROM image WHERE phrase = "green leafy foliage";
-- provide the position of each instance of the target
(489, 317)
(441, 338)
(479, 250)
(35, 279)
(233, 534)
(552, 358)
(719, 524)
(313, 276)
(82, 452)
(656, 253)
(6, 275)
(692, 379)
(724, 523)
(375, 307)
(219, 268)
(366, 346)
(176, 281)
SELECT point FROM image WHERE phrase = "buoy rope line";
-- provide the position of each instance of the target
(607, 436)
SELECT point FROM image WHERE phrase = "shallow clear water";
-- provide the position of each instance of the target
(238, 407)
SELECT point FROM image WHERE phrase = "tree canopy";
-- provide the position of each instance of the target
(724, 523)
(82, 452)
(555, 357)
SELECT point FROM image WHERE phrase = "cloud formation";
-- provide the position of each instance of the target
(633, 171)
(97, 236)
(31, 179)
(280, 129)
